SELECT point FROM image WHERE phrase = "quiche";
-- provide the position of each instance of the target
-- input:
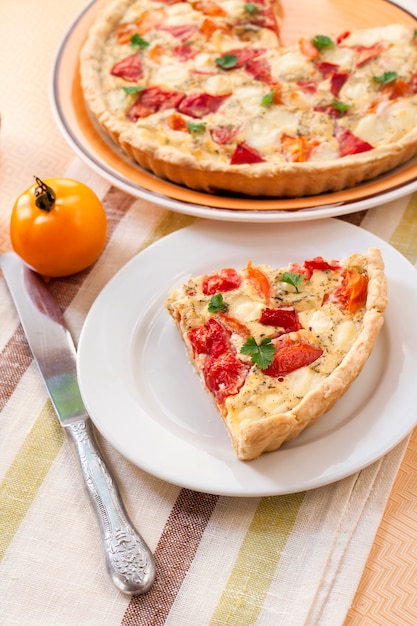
(276, 348)
(202, 93)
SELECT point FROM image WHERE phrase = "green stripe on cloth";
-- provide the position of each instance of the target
(404, 236)
(27, 472)
(257, 560)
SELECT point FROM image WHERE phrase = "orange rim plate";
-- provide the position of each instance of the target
(300, 18)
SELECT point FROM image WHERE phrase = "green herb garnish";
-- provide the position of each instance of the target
(132, 89)
(137, 40)
(292, 279)
(321, 42)
(217, 304)
(261, 355)
(268, 99)
(195, 127)
(251, 7)
(227, 62)
(340, 106)
(386, 77)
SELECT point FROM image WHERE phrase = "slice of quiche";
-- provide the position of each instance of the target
(276, 348)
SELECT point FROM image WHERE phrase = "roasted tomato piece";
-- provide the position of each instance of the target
(259, 281)
(245, 154)
(200, 104)
(290, 355)
(318, 263)
(260, 69)
(151, 100)
(210, 338)
(223, 134)
(225, 375)
(337, 80)
(129, 68)
(350, 143)
(223, 280)
(297, 149)
(181, 32)
(326, 69)
(233, 324)
(366, 54)
(242, 56)
(353, 292)
(284, 317)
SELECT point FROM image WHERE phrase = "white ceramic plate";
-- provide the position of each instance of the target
(102, 155)
(145, 398)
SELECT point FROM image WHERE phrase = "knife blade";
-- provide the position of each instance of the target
(129, 561)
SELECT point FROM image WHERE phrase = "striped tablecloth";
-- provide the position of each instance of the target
(284, 560)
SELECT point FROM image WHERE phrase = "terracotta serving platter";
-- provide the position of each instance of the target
(300, 18)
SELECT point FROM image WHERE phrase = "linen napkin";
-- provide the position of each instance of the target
(293, 560)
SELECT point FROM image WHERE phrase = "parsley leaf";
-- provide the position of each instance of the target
(227, 62)
(386, 77)
(261, 355)
(340, 106)
(322, 41)
(132, 89)
(137, 40)
(292, 279)
(196, 128)
(217, 303)
(268, 99)
(251, 7)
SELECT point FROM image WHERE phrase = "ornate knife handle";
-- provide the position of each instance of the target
(129, 560)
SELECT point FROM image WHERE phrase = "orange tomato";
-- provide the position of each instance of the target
(259, 281)
(58, 226)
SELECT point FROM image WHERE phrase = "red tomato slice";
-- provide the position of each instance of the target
(366, 54)
(350, 143)
(243, 55)
(265, 18)
(130, 68)
(291, 355)
(285, 317)
(200, 104)
(337, 80)
(151, 100)
(245, 154)
(181, 32)
(318, 263)
(260, 69)
(210, 338)
(224, 376)
(223, 280)
(222, 134)
(327, 69)
(308, 86)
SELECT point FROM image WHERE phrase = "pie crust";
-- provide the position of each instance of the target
(254, 426)
(377, 102)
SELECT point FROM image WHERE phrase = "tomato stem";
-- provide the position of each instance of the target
(45, 195)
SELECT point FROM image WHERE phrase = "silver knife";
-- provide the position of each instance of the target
(129, 560)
